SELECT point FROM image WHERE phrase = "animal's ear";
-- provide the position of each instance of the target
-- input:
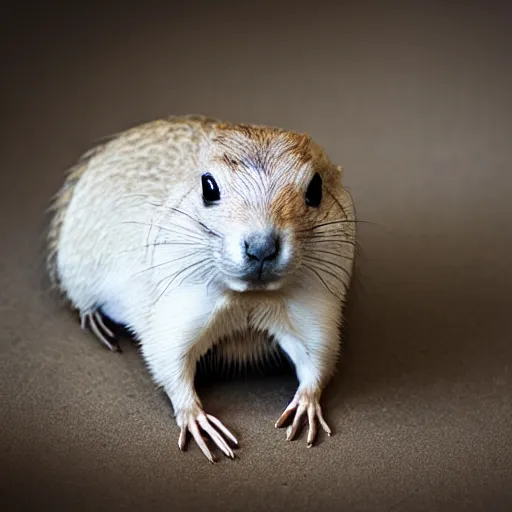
(339, 168)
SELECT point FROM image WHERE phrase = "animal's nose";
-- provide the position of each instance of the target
(262, 246)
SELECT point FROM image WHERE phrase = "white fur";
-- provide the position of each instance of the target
(121, 243)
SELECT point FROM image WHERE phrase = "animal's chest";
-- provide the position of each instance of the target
(248, 315)
(243, 333)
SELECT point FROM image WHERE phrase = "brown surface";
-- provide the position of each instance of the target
(416, 103)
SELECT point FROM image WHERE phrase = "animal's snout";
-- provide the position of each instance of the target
(260, 258)
(262, 247)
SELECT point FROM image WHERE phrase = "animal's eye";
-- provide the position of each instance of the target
(314, 191)
(211, 192)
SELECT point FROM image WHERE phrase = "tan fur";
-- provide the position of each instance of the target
(287, 206)
(132, 238)
(260, 143)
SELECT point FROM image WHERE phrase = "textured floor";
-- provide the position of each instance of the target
(415, 101)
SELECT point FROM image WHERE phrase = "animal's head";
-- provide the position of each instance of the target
(273, 199)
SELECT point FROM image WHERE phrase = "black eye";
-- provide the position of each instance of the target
(211, 192)
(314, 192)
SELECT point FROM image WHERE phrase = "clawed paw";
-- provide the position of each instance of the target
(305, 404)
(95, 322)
(198, 420)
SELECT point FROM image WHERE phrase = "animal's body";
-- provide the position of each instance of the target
(193, 232)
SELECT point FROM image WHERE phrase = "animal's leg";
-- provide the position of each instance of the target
(311, 340)
(171, 349)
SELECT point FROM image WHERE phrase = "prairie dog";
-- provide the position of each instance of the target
(194, 232)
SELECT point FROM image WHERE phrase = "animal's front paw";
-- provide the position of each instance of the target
(304, 402)
(194, 420)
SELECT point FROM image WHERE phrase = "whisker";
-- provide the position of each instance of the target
(308, 267)
(176, 274)
(331, 263)
(208, 284)
(195, 271)
(168, 230)
(190, 235)
(147, 239)
(308, 245)
(162, 243)
(325, 271)
(336, 254)
(337, 202)
(320, 234)
(204, 226)
(331, 240)
(163, 228)
(334, 222)
(334, 231)
(165, 263)
(342, 237)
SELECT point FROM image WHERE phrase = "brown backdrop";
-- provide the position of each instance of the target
(414, 99)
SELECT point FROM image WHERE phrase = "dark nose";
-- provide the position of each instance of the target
(262, 246)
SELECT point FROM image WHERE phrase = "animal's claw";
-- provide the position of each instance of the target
(304, 403)
(197, 419)
(100, 330)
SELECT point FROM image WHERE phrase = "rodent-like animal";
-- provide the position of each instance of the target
(195, 232)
